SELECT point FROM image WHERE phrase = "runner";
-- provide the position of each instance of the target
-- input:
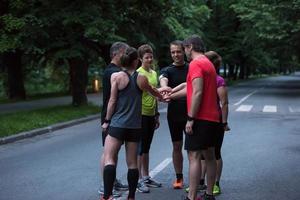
(172, 76)
(216, 59)
(123, 121)
(116, 51)
(203, 117)
(150, 119)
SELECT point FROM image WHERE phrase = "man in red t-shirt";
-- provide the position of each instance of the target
(203, 116)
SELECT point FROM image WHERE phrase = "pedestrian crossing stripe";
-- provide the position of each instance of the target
(270, 108)
(267, 109)
(244, 108)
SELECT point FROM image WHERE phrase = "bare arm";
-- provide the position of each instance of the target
(196, 96)
(144, 85)
(163, 81)
(223, 96)
(195, 104)
(178, 93)
(112, 101)
(179, 87)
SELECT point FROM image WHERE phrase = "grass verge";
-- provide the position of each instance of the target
(17, 122)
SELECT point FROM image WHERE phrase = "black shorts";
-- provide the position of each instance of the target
(204, 135)
(177, 129)
(104, 134)
(125, 134)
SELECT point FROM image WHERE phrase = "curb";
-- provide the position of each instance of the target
(48, 129)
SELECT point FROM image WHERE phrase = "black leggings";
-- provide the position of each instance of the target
(148, 127)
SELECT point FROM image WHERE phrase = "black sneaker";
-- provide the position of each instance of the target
(208, 197)
(120, 186)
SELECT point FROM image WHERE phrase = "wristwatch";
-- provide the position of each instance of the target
(106, 121)
(190, 118)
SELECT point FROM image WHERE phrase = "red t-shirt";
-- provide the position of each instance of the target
(201, 67)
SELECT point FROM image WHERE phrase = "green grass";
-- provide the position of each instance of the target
(17, 122)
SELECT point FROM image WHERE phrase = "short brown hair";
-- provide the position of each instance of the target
(196, 42)
(145, 48)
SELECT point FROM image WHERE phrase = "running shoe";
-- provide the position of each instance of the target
(216, 190)
(178, 184)
(141, 187)
(199, 189)
(119, 186)
(151, 182)
(115, 193)
(187, 198)
(208, 197)
(110, 198)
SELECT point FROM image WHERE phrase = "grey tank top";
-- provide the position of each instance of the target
(128, 110)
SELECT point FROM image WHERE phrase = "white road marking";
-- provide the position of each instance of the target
(270, 108)
(244, 108)
(246, 97)
(152, 173)
(163, 110)
(160, 167)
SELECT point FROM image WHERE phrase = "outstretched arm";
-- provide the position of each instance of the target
(178, 91)
(144, 85)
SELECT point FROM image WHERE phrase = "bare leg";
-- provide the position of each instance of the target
(194, 173)
(111, 150)
(210, 160)
(219, 169)
(177, 157)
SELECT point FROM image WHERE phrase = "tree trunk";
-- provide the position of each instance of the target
(230, 71)
(15, 80)
(78, 80)
(242, 72)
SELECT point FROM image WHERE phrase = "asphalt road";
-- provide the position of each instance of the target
(261, 153)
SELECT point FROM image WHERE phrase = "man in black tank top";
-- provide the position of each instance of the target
(123, 122)
(116, 51)
(172, 76)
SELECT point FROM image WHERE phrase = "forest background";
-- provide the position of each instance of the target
(62, 46)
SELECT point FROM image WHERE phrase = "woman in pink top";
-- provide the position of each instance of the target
(223, 110)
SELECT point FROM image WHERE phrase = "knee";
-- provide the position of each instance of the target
(194, 156)
(177, 147)
(109, 159)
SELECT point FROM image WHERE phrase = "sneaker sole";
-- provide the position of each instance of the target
(153, 186)
(177, 187)
(121, 189)
(140, 191)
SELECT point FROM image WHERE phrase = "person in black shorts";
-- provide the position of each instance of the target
(202, 116)
(222, 92)
(116, 51)
(172, 76)
(123, 121)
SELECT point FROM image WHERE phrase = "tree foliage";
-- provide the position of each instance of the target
(259, 36)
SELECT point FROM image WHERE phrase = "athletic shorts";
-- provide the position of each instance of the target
(204, 136)
(177, 129)
(104, 134)
(125, 134)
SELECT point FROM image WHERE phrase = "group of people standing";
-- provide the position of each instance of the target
(197, 106)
